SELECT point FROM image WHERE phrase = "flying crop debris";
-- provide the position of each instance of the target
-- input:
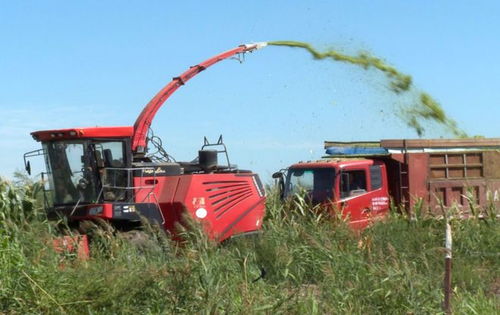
(424, 107)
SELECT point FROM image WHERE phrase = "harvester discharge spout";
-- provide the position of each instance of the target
(147, 115)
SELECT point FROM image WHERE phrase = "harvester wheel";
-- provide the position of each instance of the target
(140, 240)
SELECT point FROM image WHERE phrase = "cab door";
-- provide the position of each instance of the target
(355, 198)
(379, 192)
(363, 194)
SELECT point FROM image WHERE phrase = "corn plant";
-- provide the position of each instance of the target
(303, 262)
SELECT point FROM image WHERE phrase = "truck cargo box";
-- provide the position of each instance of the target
(439, 172)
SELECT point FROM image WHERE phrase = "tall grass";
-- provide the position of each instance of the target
(303, 262)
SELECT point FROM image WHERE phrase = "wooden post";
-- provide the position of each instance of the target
(447, 270)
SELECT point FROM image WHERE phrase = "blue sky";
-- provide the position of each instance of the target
(97, 63)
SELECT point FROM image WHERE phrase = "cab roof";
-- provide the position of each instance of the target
(332, 163)
(83, 133)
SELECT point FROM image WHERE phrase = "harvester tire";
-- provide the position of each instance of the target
(141, 240)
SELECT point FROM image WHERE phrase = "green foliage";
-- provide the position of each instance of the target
(313, 263)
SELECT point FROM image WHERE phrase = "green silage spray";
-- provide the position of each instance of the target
(424, 107)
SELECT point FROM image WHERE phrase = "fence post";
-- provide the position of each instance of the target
(447, 269)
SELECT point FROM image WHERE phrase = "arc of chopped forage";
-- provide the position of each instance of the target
(425, 107)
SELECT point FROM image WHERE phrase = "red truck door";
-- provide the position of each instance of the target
(363, 194)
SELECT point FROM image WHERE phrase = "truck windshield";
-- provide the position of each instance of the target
(317, 183)
(70, 174)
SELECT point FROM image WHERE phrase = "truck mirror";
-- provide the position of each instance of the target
(28, 167)
(278, 175)
(281, 183)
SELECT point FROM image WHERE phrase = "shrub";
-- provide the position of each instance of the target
(304, 262)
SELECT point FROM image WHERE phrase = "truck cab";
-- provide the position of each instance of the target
(355, 187)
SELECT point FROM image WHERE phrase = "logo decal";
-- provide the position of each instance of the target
(201, 213)
(130, 208)
(199, 202)
(379, 203)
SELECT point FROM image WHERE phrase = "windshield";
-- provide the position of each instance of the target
(110, 156)
(316, 182)
(70, 172)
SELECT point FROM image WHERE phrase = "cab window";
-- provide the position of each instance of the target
(375, 177)
(110, 154)
(111, 162)
(352, 183)
(316, 182)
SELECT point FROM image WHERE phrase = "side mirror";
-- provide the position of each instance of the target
(82, 184)
(278, 175)
(28, 167)
(281, 183)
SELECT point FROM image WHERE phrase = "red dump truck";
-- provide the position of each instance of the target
(361, 178)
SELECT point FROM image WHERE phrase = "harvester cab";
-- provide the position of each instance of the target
(86, 168)
(107, 173)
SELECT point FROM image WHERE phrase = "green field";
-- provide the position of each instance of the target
(313, 265)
